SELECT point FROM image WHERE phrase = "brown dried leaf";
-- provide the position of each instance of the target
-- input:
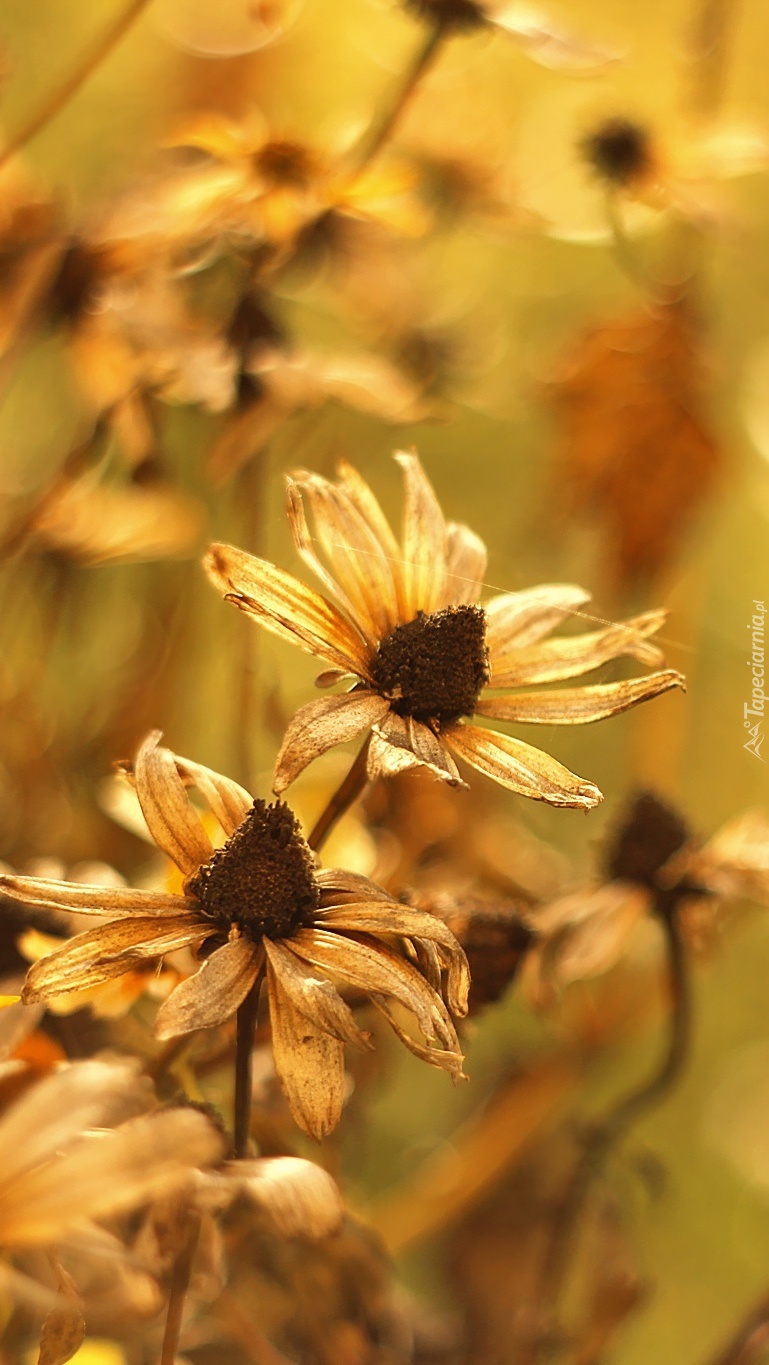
(636, 450)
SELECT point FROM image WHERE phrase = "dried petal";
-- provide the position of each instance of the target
(522, 768)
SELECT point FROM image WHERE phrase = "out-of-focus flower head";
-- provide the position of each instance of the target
(256, 906)
(537, 33)
(418, 649)
(652, 864)
(635, 451)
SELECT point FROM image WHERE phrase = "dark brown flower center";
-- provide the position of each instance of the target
(619, 150)
(649, 835)
(434, 667)
(262, 879)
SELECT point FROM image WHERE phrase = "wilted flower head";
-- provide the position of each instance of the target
(652, 864)
(420, 650)
(257, 906)
(619, 151)
(58, 1174)
(534, 30)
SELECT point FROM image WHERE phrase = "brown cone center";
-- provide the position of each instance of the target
(434, 667)
(262, 879)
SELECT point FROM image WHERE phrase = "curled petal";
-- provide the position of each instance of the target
(381, 918)
(321, 724)
(398, 744)
(579, 705)
(424, 541)
(445, 1058)
(214, 993)
(522, 768)
(87, 899)
(584, 932)
(171, 820)
(317, 1000)
(229, 802)
(109, 951)
(352, 548)
(287, 607)
(309, 1062)
(466, 561)
(375, 968)
(552, 660)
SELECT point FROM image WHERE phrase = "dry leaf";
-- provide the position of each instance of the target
(64, 1328)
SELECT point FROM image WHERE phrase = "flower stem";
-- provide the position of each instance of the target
(61, 95)
(180, 1280)
(383, 126)
(606, 1134)
(347, 792)
(243, 1055)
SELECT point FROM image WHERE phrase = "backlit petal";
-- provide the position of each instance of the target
(104, 953)
(520, 767)
(424, 541)
(579, 705)
(572, 655)
(171, 820)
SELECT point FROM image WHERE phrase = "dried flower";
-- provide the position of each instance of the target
(652, 862)
(532, 29)
(57, 1175)
(257, 905)
(421, 650)
(636, 451)
(620, 152)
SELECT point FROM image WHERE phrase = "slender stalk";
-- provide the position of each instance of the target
(243, 1060)
(709, 50)
(347, 792)
(180, 1280)
(382, 127)
(61, 95)
(606, 1134)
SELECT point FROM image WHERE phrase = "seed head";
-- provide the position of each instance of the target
(434, 667)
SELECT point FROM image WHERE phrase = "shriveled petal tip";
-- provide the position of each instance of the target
(171, 820)
(398, 744)
(572, 655)
(521, 768)
(287, 607)
(321, 724)
(228, 801)
(107, 952)
(579, 705)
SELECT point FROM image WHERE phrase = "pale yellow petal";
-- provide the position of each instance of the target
(174, 825)
(213, 994)
(364, 501)
(104, 953)
(309, 1062)
(579, 705)
(572, 655)
(319, 725)
(424, 541)
(351, 602)
(359, 567)
(287, 607)
(466, 561)
(520, 767)
(518, 619)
